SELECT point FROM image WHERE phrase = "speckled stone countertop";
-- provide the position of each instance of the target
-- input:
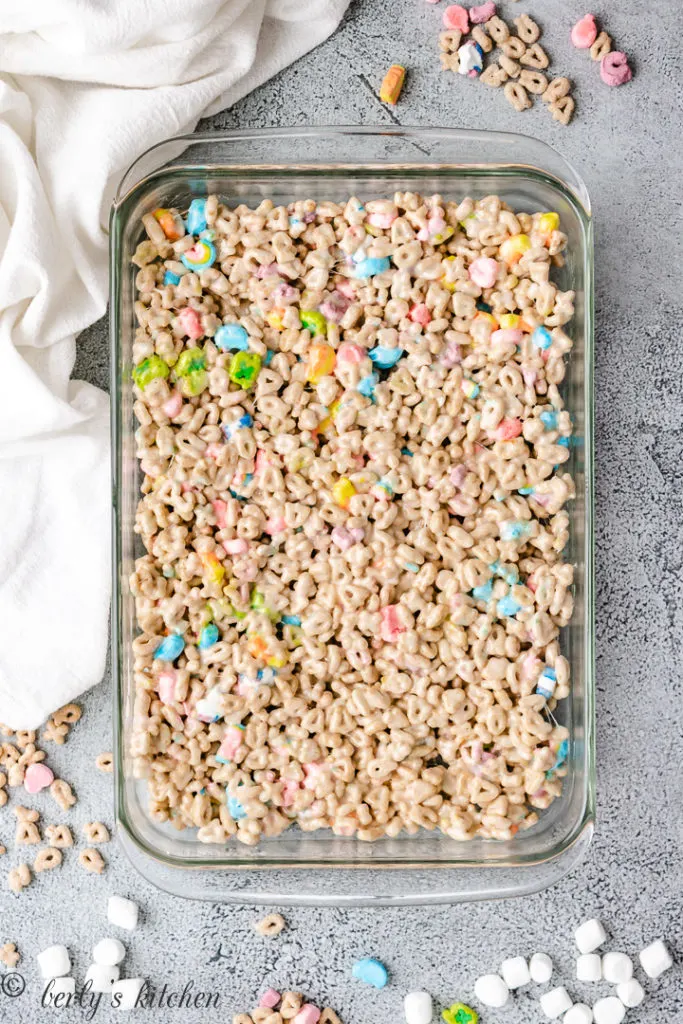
(625, 143)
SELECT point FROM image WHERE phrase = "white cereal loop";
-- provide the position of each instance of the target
(270, 926)
(533, 81)
(92, 861)
(527, 29)
(513, 47)
(353, 447)
(517, 96)
(535, 57)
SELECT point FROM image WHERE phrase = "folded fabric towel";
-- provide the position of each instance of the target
(85, 87)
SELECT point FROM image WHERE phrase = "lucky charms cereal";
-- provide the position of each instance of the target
(353, 446)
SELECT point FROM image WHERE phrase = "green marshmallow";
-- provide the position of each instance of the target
(313, 321)
(244, 369)
(189, 361)
(148, 370)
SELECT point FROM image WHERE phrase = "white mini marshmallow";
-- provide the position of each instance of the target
(540, 968)
(556, 1002)
(101, 977)
(579, 1014)
(631, 993)
(109, 952)
(122, 912)
(417, 1007)
(609, 1011)
(124, 993)
(655, 959)
(57, 991)
(590, 935)
(515, 971)
(491, 990)
(617, 967)
(589, 967)
(54, 962)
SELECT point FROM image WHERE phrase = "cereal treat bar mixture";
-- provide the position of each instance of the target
(352, 442)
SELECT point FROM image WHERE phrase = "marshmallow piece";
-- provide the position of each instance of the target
(590, 935)
(124, 993)
(515, 971)
(655, 959)
(609, 1011)
(491, 990)
(101, 977)
(540, 968)
(54, 962)
(616, 967)
(631, 993)
(122, 912)
(417, 1007)
(556, 1002)
(57, 991)
(589, 967)
(579, 1014)
(109, 952)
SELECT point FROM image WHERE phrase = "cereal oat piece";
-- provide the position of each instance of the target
(558, 88)
(601, 47)
(5, 730)
(535, 57)
(562, 109)
(24, 738)
(15, 775)
(62, 794)
(510, 67)
(19, 878)
(328, 1016)
(242, 1018)
(449, 41)
(96, 832)
(59, 836)
(26, 833)
(3, 850)
(56, 733)
(47, 860)
(533, 81)
(291, 1004)
(449, 61)
(105, 762)
(517, 96)
(68, 715)
(527, 29)
(497, 29)
(26, 813)
(513, 47)
(494, 76)
(9, 955)
(482, 38)
(91, 860)
(270, 926)
(3, 792)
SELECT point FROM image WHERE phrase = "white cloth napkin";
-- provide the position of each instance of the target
(85, 87)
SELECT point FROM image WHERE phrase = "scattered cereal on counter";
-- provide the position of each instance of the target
(55, 733)
(590, 935)
(54, 962)
(456, 16)
(270, 926)
(527, 29)
(59, 836)
(389, 92)
(47, 860)
(37, 777)
(105, 762)
(417, 1008)
(470, 59)
(459, 1013)
(9, 955)
(96, 832)
(491, 990)
(19, 877)
(371, 972)
(614, 69)
(483, 13)
(91, 860)
(584, 32)
(556, 1002)
(540, 968)
(655, 959)
(609, 1011)
(62, 794)
(122, 912)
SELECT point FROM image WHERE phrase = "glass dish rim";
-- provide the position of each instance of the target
(578, 198)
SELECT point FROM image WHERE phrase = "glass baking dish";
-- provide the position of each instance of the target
(335, 163)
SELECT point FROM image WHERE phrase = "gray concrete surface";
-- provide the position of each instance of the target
(626, 143)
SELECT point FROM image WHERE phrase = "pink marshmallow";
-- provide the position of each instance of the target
(382, 220)
(614, 69)
(585, 32)
(507, 430)
(232, 741)
(290, 788)
(166, 684)
(456, 16)
(451, 354)
(530, 376)
(313, 772)
(484, 272)
(190, 322)
(507, 336)
(37, 777)
(238, 546)
(350, 353)
(478, 15)
(457, 475)
(308, 1014)
(276, 524)
(173, 405)
(334, 306)
(390, 626)
(270, 999)
(213, 450)
(420, 314)
(220, 509)
(266, 270)
(347, 289)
